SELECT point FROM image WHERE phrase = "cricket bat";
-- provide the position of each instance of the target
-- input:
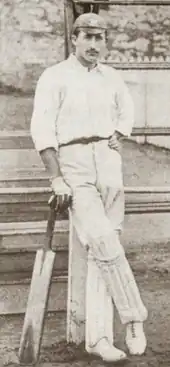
(32, 332)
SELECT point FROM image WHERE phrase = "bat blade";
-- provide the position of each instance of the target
(32, 332)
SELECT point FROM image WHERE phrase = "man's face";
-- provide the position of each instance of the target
(90, 45)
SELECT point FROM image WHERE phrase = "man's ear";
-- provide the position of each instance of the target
(73, 39)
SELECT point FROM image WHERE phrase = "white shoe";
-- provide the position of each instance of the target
(109, 353)
(135, 338)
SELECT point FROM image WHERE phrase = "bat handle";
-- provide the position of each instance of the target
(52, 201)
(50, 222)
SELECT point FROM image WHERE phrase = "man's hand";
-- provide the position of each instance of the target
(62, 192)
(114, 141)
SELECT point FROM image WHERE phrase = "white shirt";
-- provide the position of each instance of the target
(72, 102)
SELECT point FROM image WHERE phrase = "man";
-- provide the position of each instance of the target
(82, 109)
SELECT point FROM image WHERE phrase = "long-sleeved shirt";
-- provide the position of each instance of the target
(72, 103)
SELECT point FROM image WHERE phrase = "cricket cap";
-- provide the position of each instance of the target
(90, 22)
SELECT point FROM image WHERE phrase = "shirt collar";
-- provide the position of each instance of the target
(76, 63)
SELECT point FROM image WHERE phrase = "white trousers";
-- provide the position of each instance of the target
(94, 173)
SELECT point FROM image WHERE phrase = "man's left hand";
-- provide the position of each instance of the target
(114, 141)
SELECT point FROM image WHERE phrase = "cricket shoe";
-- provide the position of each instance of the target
(135, 338)
(109, 353)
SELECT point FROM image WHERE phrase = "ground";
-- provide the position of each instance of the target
(155, 287)
(151, 266)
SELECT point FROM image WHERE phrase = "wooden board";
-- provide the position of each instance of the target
(14, 295)
(11, 328)
(21, 139)
(29, 204)
(22, 263)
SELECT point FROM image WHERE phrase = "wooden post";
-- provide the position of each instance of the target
(77, 272)
(68, 22)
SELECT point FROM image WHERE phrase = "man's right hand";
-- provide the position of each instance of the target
(62, 192)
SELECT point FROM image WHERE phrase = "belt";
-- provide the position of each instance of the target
(92, 139)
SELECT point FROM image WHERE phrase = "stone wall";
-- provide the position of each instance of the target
(139, 31)
(32, 37)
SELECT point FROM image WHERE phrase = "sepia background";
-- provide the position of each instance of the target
(31, 39)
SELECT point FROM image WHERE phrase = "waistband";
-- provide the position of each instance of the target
(93, 139)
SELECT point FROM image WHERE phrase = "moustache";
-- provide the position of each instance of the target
(92, 51)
